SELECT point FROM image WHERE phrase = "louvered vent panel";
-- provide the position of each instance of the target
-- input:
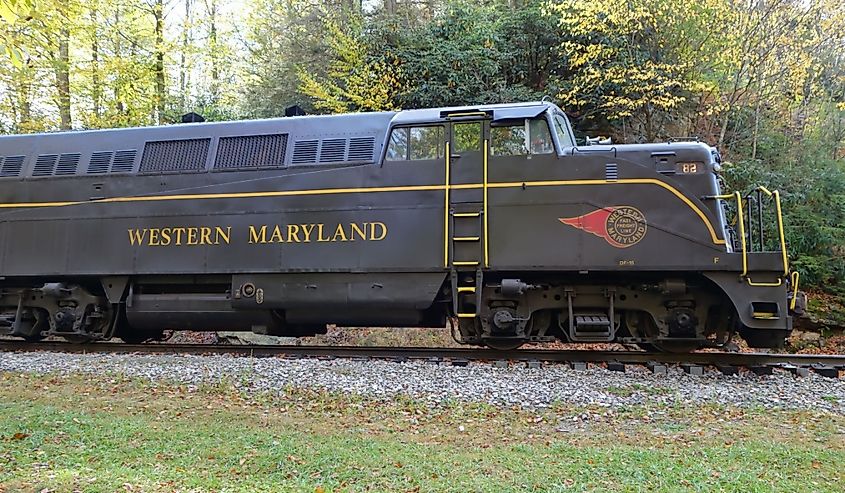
(45, 164)
(361, 148)
(251, 151)
(175, 155)
(123, 161)
(333, 150)
(67, 164)
(305, 152)
(611, 172)
(100, 162)
(11, 165)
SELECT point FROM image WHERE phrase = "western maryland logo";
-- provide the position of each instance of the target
(621, 226)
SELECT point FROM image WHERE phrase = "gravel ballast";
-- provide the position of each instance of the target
(442, 383)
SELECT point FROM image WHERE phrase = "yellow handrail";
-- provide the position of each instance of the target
(446, 213)
(741, 220)
(781, 235)
(486, 226)
(795, 277)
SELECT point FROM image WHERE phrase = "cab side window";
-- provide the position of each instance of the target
(541, 138)
(415, 143)
(509, 140)
(467, 137)
(521, 138)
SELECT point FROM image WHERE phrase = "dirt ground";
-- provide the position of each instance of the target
(804, 342)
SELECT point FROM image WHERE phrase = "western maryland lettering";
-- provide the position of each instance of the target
(258, 234)
(317, 233)
(180, 236)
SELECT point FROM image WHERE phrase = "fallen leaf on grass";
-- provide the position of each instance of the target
(19, 436)
(816, 464)
(319, 489)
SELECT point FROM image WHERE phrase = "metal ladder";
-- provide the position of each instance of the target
(466, 254)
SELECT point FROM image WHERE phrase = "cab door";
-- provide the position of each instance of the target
(468, 157)
(466, 252)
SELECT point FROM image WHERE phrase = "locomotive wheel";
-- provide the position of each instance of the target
(540, 320)
(641, 325)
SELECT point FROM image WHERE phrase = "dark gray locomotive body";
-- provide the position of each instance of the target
(487, 216)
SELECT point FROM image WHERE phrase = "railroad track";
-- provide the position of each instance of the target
(828, 365)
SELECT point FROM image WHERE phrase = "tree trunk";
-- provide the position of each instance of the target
(390, 7)
(649, 124)
(158, 14)
(62, 69)
(118, 49)
(24, 103)
(183, 62)
(96, 90)
(756, 128)
(212, 40)
(723, 130)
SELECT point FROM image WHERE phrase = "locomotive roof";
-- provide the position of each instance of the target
(314, 139)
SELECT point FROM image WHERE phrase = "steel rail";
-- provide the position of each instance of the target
(464, 354)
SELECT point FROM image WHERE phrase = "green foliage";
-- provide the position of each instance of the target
(356, 80)
(479, 53)
(13, 12)
(813, 200)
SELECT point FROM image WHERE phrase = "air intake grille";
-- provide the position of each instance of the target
(305, 152)
(123, 161)
(611, 172)
(67, 164)
(333, 151)
(45, 164)
(116, 162)
(174, 155)
(11, 165)
(251, 151)
(361, 148)
(100, 162)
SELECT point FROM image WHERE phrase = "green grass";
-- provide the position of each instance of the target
(68, 434)
(629, 390)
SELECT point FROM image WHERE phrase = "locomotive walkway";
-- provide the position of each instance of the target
(762, 363)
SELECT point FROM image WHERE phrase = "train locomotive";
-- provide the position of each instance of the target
(487, 220)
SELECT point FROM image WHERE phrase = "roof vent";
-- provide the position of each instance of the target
(294, 110)
(67, 164)
(251, 151)
(305, 152)
(361, 149)
(11, 165)
(333, 151)
(100, 162)
(175, 155)
(124, 161)
(45, 164)
(192, 118)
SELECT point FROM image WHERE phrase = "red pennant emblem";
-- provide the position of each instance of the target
(620, 227)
